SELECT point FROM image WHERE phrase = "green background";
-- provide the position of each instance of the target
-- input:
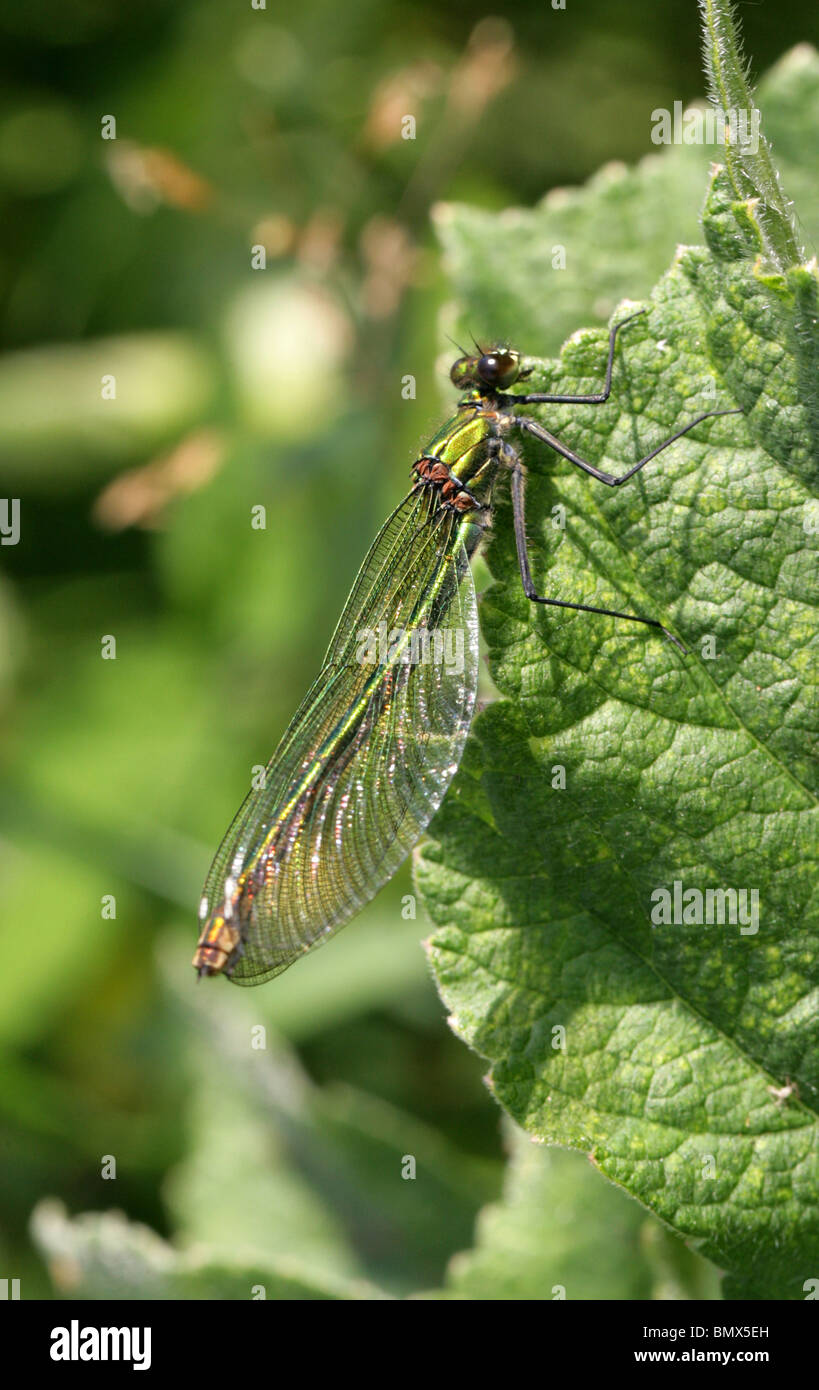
(238, 388)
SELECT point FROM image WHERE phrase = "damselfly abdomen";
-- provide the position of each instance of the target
(368, 756)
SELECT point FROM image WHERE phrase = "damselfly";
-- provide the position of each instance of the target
(376, 741)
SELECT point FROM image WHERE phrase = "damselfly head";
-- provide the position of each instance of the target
(493, 370)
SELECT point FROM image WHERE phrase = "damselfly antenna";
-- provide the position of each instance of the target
(456, 344)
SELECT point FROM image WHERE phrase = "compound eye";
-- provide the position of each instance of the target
(459, 372)
(489, 368)
(498, 368)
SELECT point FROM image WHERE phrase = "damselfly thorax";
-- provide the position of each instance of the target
(460, 464)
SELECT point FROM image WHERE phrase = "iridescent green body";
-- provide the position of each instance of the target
(462, 444)
(461, 441)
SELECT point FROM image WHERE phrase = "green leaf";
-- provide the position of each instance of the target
(322, 1169)
(105, 1256)
(653, 1045)
(561, 1233)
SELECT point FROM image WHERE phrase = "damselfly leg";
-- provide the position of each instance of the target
(538, 431)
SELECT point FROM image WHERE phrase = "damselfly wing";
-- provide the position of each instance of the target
(366, 760)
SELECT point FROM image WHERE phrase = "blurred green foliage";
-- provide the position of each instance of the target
(237, 388)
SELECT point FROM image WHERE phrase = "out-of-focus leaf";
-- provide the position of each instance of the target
(105, 1256)
(56, 426)
(72, 938)
(348, 1182)
(561, 1233)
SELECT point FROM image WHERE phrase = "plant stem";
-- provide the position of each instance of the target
(752, 170)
